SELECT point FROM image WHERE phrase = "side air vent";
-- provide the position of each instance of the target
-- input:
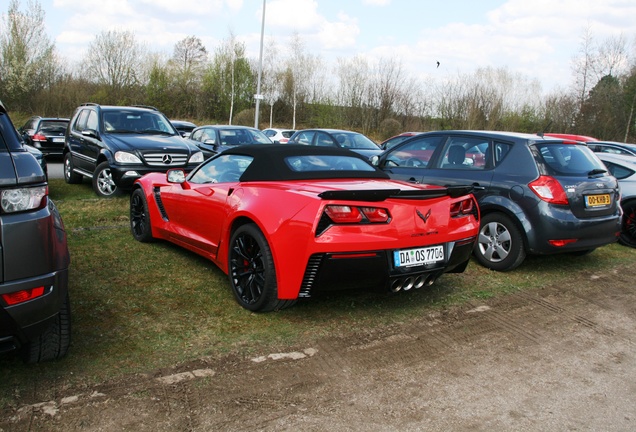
(311, 272)
(162, 210)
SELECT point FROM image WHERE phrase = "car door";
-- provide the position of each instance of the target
(463, 160)
(83, 140)
(198, 208)
(409, 160)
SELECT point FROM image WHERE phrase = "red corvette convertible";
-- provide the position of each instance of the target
(286, 221)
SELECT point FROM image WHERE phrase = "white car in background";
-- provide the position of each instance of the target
(279, 136)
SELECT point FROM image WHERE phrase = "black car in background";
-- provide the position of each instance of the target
(115, 145)
(354, 141)
(536, 195)
(612, 147)
(35, 314)
(45, 134)
(213, 139)
(185, 128)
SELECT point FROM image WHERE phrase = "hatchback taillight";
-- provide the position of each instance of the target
(549, 190)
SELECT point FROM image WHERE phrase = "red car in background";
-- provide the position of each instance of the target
(287, 221)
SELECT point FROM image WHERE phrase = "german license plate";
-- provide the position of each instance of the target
(58, 139)
(597, 200)
(418, 256)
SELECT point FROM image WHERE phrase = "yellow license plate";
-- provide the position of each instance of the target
(597, 200)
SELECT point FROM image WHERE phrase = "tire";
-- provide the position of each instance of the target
(251, 271)
(140, 225)
(500, 244)
(53, 343)
(70, 176)
(628, 228)
(103, 183)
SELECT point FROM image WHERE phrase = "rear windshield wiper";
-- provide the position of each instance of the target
(596, 171)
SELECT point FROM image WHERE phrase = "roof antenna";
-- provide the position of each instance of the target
(545, 129)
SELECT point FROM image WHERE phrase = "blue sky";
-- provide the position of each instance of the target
(536, 38)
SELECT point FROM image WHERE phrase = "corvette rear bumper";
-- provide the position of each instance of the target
(375, 270)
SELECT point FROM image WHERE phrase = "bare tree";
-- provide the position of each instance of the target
(271, 77)
(114, 60)
(27, 56)
(583, 65)
(188, 65)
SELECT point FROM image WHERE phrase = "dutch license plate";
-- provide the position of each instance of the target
(597, 200)
(418, 256)
(58, 139)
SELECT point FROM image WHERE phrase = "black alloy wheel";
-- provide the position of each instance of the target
(251, 271)
(628, 229)
(139, 217)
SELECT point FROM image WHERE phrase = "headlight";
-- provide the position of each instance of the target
(15, 200)
(126, 158)
(196, 158)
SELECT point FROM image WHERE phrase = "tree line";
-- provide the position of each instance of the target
(378, 98)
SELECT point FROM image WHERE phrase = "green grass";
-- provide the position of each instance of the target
(138, 307)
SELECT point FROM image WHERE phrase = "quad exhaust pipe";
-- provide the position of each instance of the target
(409, 282)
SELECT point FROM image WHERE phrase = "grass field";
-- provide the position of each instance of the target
(138, 307)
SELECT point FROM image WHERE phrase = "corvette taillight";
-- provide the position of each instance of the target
(464, 207)
(549, 190)
(345, 214)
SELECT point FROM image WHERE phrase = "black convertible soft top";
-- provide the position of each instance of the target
(270, 164)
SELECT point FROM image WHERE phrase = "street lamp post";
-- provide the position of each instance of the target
(258, 96)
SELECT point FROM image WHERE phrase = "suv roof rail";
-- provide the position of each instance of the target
(146, 106)
(89, 104)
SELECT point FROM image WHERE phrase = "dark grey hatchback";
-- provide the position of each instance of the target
(536, 195)
(35, 315)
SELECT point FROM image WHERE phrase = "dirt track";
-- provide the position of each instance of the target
(563, 358)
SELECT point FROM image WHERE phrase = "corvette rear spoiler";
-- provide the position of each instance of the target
(382, 194)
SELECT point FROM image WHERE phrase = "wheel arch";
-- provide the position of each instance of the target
(516, 215)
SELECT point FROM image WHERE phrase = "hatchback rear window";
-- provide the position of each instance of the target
(569, 159)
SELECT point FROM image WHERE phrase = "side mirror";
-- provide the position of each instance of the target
(175, 176)
(90, 133)
(375, 160)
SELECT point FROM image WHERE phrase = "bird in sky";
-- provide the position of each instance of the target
(437, 64)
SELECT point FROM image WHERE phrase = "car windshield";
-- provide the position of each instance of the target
(53, 126)
(315, 163)
(570, 159)
(136, 122)
(355, 140)
(238, 136)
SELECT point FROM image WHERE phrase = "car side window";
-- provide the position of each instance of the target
(465, 153)
(305, 138)
(618, 171)
(92, 121)
(501, 150)
(416, 153)
(323, 140)
(80, 123)
(196, 136)
(222, 169)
